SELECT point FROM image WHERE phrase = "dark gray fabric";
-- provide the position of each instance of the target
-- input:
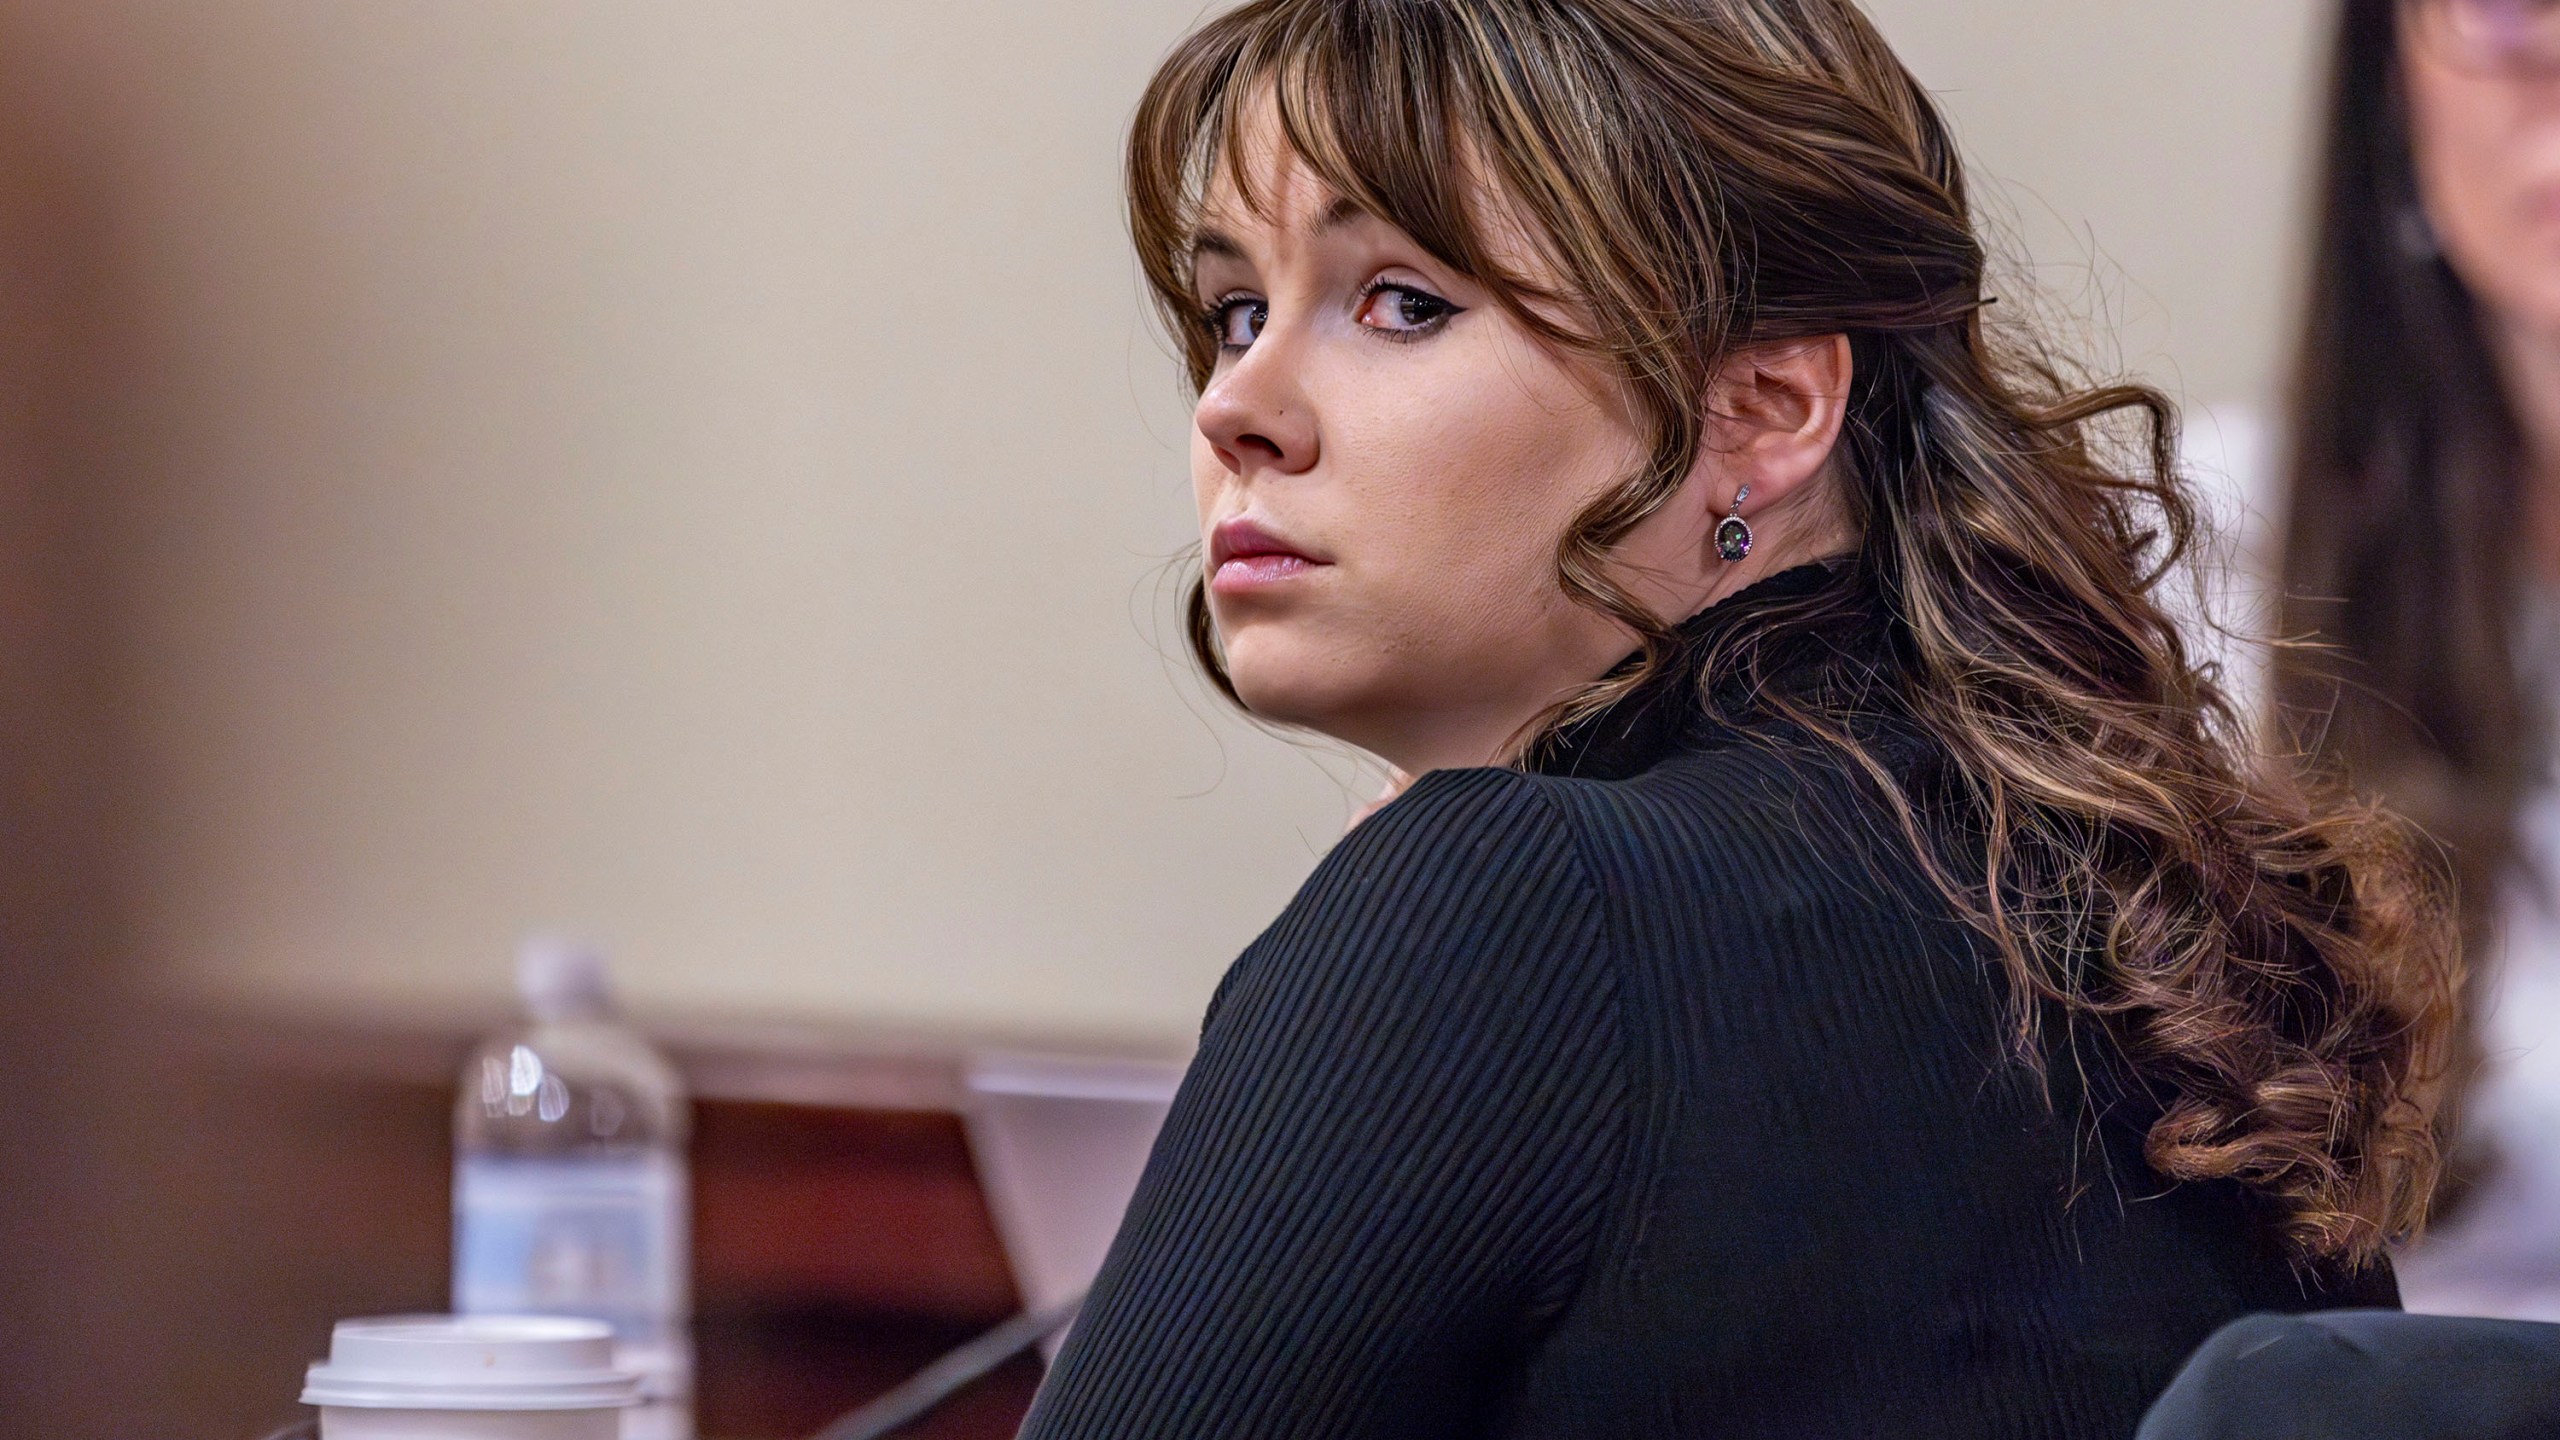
(2366, 1375)
(1653, 1095)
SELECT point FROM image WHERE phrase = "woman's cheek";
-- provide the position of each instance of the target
(2471, 150)
(1206, 487)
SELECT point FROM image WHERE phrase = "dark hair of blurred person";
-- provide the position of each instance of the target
(2423, 538)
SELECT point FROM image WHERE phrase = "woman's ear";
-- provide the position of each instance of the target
(1773, 416)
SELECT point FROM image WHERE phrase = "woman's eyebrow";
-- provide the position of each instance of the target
(1341, 212)
(1214, 242)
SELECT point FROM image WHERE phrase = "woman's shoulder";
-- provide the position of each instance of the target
(1468, 889)
(1750, 800)
(1452, 826)
(1514, 888)
(1774, 878)
(1681, 826)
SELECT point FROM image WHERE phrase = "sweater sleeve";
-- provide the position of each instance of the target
(1382, 1174)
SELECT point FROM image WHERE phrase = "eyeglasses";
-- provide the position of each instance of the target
(2507, 36)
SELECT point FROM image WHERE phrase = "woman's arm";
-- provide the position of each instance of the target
(1384, 1169)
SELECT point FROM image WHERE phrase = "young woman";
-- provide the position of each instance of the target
(1832, 974)
(2424, 548)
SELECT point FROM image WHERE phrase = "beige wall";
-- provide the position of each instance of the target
(2149, 158)
(697, 473)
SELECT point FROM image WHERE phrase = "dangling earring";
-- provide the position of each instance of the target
(1733, 533)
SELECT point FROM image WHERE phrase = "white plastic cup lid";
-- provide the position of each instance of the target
(470, 1362)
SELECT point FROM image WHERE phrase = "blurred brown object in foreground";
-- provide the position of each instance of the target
(70, 1349)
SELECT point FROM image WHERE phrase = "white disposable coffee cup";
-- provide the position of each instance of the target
(469, 1377)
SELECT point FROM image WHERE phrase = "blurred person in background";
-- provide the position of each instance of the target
(2423, 556)
(1834, 969)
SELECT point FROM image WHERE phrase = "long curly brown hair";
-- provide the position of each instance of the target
(2269, 960)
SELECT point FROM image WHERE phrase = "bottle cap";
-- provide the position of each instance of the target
(470, 1362)
(562, 979)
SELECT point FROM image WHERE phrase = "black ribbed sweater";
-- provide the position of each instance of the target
(1648, 1094)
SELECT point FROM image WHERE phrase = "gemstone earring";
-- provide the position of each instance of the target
(1733, 533)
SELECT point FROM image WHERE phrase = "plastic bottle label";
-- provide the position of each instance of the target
(598, 1237)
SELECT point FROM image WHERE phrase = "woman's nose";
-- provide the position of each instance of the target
(1255, 415)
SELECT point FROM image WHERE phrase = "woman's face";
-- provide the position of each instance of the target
(1384, 463)
(2484, 103)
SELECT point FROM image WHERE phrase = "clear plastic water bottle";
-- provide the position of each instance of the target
(569, 1183)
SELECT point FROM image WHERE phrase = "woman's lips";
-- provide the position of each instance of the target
(1244, 556)
(1248, 572)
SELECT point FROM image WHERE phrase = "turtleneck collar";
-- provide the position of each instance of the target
(1641, 726)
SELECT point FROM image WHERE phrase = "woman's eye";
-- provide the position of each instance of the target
(1403, 310)
(1234, 322)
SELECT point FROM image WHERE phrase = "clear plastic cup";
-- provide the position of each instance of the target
(469, 1377)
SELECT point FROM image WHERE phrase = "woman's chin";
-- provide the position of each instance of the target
(1286, 700)
(1286, 681)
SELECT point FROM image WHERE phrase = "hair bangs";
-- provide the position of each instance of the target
(1393, 107)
